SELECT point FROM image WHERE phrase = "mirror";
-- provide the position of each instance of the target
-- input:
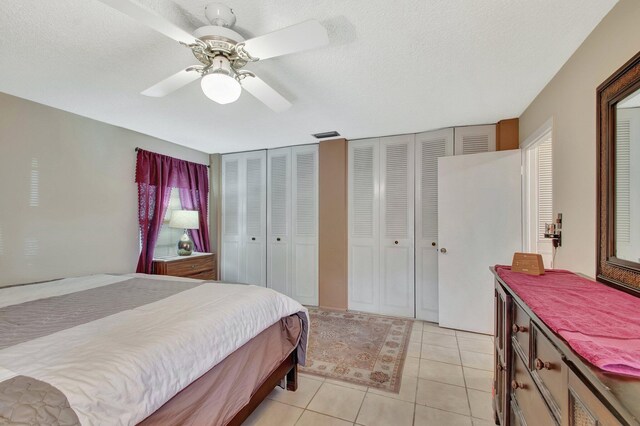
(627, 179)
(618, 137)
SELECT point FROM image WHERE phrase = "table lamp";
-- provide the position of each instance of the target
(184, 219)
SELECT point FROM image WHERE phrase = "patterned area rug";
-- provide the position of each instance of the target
(359, 348)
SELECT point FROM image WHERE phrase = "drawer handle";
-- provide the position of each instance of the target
(500, 367)
(278, 239)
(253, 238)
(515, 385)
(395, 242)
(540, 365)
(518, 328)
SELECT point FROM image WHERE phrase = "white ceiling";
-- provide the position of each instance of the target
(391, 66)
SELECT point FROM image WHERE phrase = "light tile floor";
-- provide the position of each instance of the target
(446, 382)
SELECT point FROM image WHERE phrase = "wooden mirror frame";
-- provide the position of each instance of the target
(619, 273)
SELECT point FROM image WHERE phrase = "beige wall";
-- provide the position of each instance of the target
(570, 100)
(333, 224)
(68, 201)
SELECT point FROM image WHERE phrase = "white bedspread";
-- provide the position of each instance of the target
(122, 368)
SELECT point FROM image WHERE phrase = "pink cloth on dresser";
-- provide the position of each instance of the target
(600, 323)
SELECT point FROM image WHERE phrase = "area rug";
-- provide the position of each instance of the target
(358, 348)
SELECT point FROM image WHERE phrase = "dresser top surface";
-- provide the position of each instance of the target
(174, 258)
(620, 391)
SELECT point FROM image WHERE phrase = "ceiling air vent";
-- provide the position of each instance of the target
(323, 135)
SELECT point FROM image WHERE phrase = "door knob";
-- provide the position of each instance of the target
(443, 250)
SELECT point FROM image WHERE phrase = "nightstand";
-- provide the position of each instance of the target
(201, 266)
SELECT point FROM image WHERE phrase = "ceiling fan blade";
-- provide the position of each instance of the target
(296, 38)
(265, 94)
(170, 84)
(150, 19)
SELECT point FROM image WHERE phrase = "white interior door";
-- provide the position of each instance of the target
(304, 263)
(232, 219)
(479, 211)
(364, 207)
(397, 226)
(279, 220)
(429, 147)
(475, 139)
(255, 218)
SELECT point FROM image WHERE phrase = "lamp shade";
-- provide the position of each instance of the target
(184, 219)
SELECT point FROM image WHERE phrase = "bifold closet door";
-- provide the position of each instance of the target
(429, 147)
(243, 257)
(475, 139)
(397, 226)
(364, 225)
(279, 220)
(304, 191)
(255, 214)
(231, 259)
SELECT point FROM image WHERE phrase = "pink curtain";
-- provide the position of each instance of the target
(155, 175)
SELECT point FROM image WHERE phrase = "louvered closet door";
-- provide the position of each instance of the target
(279, 220)
(364, 204)
(429, 147)
(305, 224)
(255, 218)
(397, 226)
(475, 139)
(231, 264)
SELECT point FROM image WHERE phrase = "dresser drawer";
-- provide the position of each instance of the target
(548, 367)
(585, 409)
(521, 329)
(190, 266)
(207, 275)
(527, 396)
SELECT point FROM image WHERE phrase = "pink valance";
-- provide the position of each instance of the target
(151, 167)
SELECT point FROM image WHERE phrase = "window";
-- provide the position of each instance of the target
(538, 193)
(167, 244)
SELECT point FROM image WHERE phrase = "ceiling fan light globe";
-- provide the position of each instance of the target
(221, 88)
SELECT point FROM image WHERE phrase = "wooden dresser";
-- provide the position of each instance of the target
(540, 380)
(199, 266)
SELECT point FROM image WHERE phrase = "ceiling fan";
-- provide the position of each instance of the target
(223, 53)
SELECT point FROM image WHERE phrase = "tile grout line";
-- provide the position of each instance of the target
(464, 379)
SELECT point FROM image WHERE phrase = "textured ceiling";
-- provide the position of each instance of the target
(391, 67)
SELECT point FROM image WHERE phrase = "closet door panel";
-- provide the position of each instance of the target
(364, 204)
(429, 147)
(255, 223)
(475, 139)
(279, 220)
(305, 224)
(397, 225)
(232, 218)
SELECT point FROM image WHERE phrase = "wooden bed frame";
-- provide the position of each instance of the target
(287, 370)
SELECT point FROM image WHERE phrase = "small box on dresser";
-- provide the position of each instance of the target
(202, 266)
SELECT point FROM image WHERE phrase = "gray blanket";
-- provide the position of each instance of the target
(27, 401)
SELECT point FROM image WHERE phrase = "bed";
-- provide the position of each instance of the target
(139, 349)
